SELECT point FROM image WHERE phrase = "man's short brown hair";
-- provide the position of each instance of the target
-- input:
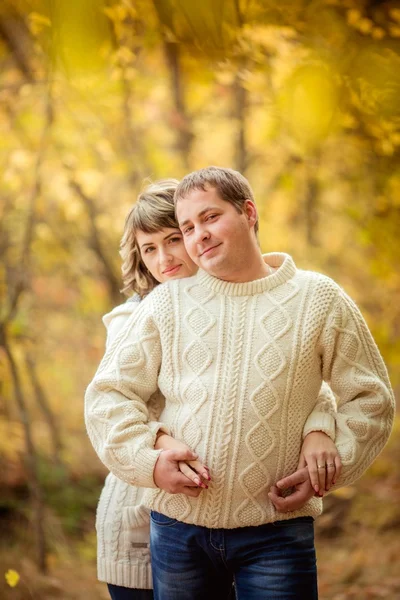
(231, 186)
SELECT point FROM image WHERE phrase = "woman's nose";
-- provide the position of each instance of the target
(165, 256)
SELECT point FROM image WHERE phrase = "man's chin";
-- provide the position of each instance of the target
(212, 266)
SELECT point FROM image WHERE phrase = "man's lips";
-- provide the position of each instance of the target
(209, 249)
(172, 270)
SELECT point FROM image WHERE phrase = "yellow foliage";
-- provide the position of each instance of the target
(353, 16)
(12, 577)
(365, 25)
(346, 493)
(309, 104)
(378, 33)
(38, 22)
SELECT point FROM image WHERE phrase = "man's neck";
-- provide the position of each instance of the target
(251, 270)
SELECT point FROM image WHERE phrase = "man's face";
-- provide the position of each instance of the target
(217, 237)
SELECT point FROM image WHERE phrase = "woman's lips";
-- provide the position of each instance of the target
(172, 270)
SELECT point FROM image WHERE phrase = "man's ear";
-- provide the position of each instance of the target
(250, 210)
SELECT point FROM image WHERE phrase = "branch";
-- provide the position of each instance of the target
(16, 37)
(21, 272)
(95, 241)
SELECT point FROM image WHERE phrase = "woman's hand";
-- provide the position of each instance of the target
(193, 469)
(321, 457)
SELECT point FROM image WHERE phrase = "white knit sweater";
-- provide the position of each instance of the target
(240, 366)
(122, 520)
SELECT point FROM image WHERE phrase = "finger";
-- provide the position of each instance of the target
(294, 479)
(280, 503)
(313, 473)
(190, 474)
(338, 471)
(302, 462)
(274, 496)
(294, 501)
(181, 454)
(201, 469)
(321, 468)
(275, 492)
(330, 471)
(181, 480)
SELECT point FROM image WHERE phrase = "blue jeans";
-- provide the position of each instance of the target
(270, 562)
(117, 592)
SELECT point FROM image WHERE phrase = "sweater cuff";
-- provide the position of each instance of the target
(155, 427)
(146, 458)
(144, 472)
(320, 421)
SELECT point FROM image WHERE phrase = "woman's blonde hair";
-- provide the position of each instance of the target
(154, 210)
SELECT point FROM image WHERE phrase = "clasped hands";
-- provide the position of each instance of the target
(178, 470)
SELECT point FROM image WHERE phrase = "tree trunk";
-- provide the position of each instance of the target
(96, 243)
(240, 110)
(31, 458)
(181, 122)
(17, 38)
(41, 399)
(311, 202)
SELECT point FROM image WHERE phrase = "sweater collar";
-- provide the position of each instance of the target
(285, 270)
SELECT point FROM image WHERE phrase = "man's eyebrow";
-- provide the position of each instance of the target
(201, 214)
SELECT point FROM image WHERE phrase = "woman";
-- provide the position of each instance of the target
(153, 252)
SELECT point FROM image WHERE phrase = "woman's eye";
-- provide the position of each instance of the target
(175, 239)
(148, 250)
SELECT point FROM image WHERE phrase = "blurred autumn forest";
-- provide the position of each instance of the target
(95, 97)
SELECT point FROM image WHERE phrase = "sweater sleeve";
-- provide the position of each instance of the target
(322, 417)
(354, 368)
(116, 401)
(116, 319)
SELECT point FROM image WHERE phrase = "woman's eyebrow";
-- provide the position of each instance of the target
(177, 232)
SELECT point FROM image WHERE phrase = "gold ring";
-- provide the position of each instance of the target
(330, 465)
(321, 466)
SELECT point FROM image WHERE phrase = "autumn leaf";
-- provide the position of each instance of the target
(12, 577)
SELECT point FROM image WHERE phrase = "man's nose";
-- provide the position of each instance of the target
(202, 235)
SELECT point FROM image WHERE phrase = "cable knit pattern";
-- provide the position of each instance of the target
(122, 520)
(270, 362)
(369, 418)
(241, 367)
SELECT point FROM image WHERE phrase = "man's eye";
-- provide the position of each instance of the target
(211, 217)
(187, 230)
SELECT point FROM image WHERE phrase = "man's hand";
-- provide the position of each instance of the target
(168, 476)
(303, 491)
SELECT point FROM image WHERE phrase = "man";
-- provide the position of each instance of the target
(239, 351)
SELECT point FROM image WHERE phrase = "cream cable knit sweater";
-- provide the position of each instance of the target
(240, 366)
(122, 520)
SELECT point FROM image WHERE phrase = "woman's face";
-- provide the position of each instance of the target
(164, 254)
